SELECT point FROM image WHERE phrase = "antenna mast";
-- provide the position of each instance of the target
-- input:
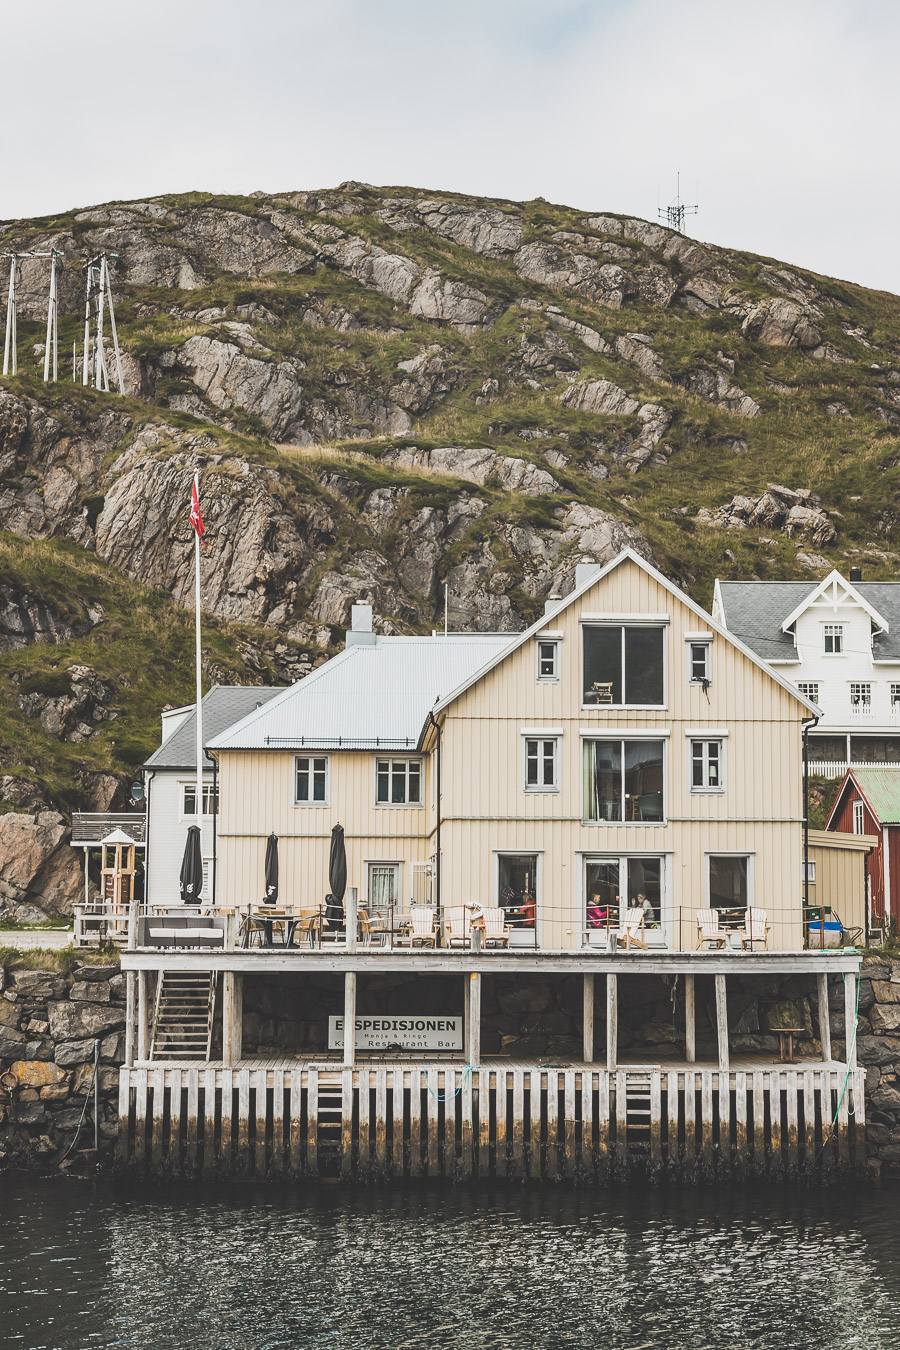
(10, 355)
(675, 212)
(97, 298)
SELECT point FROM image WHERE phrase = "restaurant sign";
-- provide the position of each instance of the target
(399, 1033)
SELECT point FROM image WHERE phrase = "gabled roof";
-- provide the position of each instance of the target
(880, 790)
(222, 707)
(757, 612)
(627, 555)
(837, 583)
(368, 697)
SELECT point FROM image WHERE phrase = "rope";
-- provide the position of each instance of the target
(850, 1042)
(88, 1095)
(443, 1096)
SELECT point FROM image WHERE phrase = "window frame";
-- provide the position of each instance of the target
(833, 630)
(706, 789)
(690, 643)
(553, 738)
(731, 853)
(190, 785)
(859, 814)
(806, 686)
(658, 937)
(392, 759)
(312, 801)
(862, 698)
(556, 644)
(895, 694)
(622, 738)
(622, 622)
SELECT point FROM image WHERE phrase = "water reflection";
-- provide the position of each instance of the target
(82, 1264)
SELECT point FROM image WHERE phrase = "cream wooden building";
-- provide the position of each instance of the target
(626, 745)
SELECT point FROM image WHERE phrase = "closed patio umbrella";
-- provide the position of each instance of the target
(190, 880)
(337, 879)
(271, 870)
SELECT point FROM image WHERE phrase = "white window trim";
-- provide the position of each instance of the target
(732, 853)
(698, 641)
(860, 815)
(707, 791)
(832, 624)
(667, 911)
(368, 864)
(314, 804)
(399, 806)
(538, 855)
(556, 644)
(190, 784)
(624, 621)
(539, 789)
(865, 699)
(632, 735)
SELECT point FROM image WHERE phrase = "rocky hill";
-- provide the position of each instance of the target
(386, 390)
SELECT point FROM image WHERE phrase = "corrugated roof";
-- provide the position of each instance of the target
(367, 695)
(224, 705)
(881, 789)
(755, 610)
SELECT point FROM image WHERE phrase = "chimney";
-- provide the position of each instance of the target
(856, 574)
(360, 633)
(551, 602)
(584, 572)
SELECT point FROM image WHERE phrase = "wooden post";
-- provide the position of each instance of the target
(690, 1019)
(129, 982)
(824, 1016)
(351, 922)
(349, 1019)
(850, 1018)
(143, 1016)
(612, 1028)
(474, 1001)
(232, 1017)
(588, 1019)
(722, 1023)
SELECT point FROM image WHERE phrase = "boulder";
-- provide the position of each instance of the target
(599, 396)
(38, 985)
(40, 874)
(37, 1073)
(70, 1021)
(883, 990)
(69, 1053)
(885, 1017)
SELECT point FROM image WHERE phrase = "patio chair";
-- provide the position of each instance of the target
(458, 926)
(756, 928)
(708, 930)
(421, 931)
(496, 930)
(631, 933)
(371, 927)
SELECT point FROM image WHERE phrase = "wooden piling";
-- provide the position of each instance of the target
(501, 1106)
(450, 1102)
(588, 996)
(569, 1122)
(586, 1155)
(466, 1101)
(209, 1122)
(552, 1147)
(724, 1120)
(741, 1141)
(484, 1123)
(380, 1122)
(621, 1080)
(517, 1169)
(173, 1146)
(227, 1132)
(347, 1096)
(601, 1147)
(656, 1121)
(673, 1151)
(776, 1160)
(760, 1162)
(534, 1113)
(260, 1093)
(792, 1122)
(433, 1121)
(243, 1121)
(824, 1016)
(706, 1122)
(157, 1083)
(809, 1119)
(690, 1019)
(277, 1121)
(296, 1122)
(398, 1114)
(690, 1118)
(123, 1143)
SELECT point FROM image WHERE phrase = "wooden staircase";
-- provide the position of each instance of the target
(183, 1015)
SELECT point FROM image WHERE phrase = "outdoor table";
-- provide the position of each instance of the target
(786, 1036)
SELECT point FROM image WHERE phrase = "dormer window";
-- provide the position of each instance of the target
(834, 638)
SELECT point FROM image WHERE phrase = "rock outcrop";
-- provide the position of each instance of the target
(797, 513)
(40, 874)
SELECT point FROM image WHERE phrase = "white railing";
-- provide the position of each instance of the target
(836, 768)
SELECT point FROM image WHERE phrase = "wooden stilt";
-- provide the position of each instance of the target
(173, 1149)
(232, 1017)
(261, 1123)
(690, 1019)
(809, 1118)
(850, 1018)
(157, 1080)
(706, 1121)
(433, 1121)
(552, 1151)
(140, 1115)
(740, 1123)
(398, 1113)
(123, 1149)
(612, 1028)
(501, 1103)
(227, 1131)
(621, 1117)
(725, 1119)
(450, 1105)
(295, 1125)
(601, 1147)
(518, 1125)
(474, 1055)
(824, 1016)
(776, 1163)
(588, 1019)
(365, 1109)
(278, 1121)
(209, 1124)
(690, 1118)
(759, 1124)
(484, 1123)
(243, 1120)
(673, 1150)
(722, 1023)
(312, 1122)
(380, 1122)
(347, 1123)
(466, 1104)
(535, 1160)
(656, 1120)
(143, 1017)
(569, 1121)
(349, 1018)
(586, 1156)
(792, 1121)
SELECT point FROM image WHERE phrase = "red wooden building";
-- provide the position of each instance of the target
(868, 802)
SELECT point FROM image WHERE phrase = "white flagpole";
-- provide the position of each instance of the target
(199, 676)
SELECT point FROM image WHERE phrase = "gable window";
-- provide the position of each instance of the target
(623, 781)
(189, 799)
(858, 819)
(809, 689)
(311, 780)
(398, 782)
(860, 695)
(698, 662)
(834, 638)
(707, 769)
(541, 764)
(623, 666)
(548, 660)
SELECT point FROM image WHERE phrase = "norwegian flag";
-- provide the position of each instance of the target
(196, 518)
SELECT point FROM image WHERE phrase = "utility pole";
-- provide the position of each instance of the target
(10, 356)
(98, 300)
(9, 341)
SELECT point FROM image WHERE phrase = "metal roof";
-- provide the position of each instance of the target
(755, 610)
(224, 705)
(881, 789)
(369, 696)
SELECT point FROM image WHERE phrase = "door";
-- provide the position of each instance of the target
(517, 895)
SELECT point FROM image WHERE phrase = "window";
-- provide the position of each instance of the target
(623, 666)
(858, 818)
(860, 695)
(729, 882)
(809, 689)
(384, 887)
(312, 780)
(707, 768)
(398, 782)
(189, 799)
(895, 695)
(541, 760)
(548, 661)
(808, 872)
(517, 893)
(612, 885)
(698, 662)
(834, 638)
(623, 780)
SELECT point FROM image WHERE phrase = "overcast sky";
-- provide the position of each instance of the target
(785, 112)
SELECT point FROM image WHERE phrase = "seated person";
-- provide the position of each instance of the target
(641, 902)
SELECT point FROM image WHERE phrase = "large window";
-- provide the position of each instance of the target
(398, 782)
(623, 666)
(707, 767)
(312, 780)
(613, 885)
(860, 695)
(834, 638)
(189, 799)
(541, 764)
(729, 882)
(623, 780)
(517, 886)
